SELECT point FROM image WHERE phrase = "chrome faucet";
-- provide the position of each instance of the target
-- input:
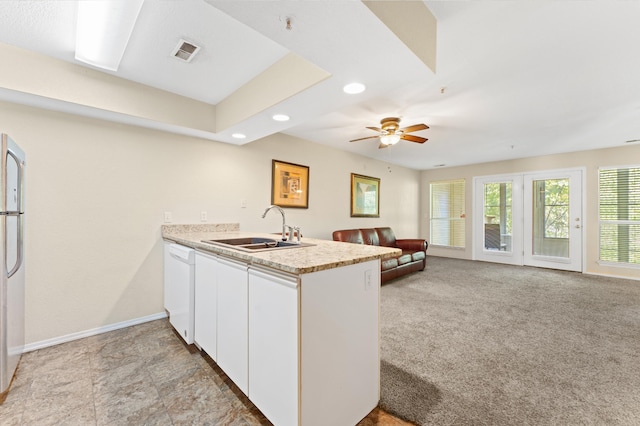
(284, 226)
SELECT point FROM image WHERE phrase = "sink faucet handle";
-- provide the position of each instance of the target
(294, 230)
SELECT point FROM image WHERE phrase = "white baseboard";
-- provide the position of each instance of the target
(612, 276)
(93, 332)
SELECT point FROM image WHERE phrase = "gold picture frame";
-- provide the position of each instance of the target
(289, 185)
(365, 196)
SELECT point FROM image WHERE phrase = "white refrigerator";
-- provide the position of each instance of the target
(12, 277)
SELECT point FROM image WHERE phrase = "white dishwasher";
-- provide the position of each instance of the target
(179, 284)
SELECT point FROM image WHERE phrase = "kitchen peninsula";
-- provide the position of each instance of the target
(296, 329)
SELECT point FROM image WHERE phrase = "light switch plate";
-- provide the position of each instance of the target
(367, 279)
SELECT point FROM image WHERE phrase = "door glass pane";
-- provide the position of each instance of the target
(551, 217)
(498, 216)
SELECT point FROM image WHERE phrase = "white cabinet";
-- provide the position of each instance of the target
(206, 303)
(273, 345)
(339, 347)
(179, 271)
(232, 337)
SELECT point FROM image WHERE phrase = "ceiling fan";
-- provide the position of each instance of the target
(390, 132)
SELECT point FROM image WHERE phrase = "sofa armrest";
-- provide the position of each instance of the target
(412, 244)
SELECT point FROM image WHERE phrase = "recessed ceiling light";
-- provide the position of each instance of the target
(354, 88)
(238, 136)
(281, 117)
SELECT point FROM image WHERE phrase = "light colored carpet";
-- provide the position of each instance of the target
(475, 343)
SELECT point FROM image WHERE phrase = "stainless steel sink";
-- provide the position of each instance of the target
(241, 241)
(256, 244)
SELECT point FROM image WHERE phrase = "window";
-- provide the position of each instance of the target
(620, 215)
(447, 213)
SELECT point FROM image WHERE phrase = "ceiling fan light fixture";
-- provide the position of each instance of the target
(390, 133)
(391, 139)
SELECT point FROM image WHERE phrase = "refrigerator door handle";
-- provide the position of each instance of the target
(20, 247)
(20, 217)
(20, 195)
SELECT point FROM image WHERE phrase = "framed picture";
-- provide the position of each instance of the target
(365, 196)
(289, 185)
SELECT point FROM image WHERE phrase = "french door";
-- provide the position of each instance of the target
(497, 221)
(530, 219)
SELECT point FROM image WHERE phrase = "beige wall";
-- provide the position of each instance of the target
(589, 160)
(97, 191)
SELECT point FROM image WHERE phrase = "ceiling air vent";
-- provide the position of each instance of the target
(185, 50)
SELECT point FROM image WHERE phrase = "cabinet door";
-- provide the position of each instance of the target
(273, 345)
(232, 344)
(206, 303)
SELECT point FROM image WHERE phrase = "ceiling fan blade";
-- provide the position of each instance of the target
(382, 146)
(361, 139)
(414, 128)
(375, 129)
(412, 138)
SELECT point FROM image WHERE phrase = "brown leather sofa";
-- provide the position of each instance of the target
(414, 251)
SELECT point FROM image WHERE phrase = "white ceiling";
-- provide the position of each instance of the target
(513, 79)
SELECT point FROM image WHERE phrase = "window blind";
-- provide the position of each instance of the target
(619, 215)
(447, 213)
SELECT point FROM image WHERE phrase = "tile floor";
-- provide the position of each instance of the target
(141, 375)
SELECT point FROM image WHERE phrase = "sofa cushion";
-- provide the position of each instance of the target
(405, 258)
(386, 237)
(348, 236)
(419, 255)
(388, 264)
(370, 236)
